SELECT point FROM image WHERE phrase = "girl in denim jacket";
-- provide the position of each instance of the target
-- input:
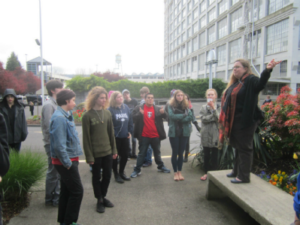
(65, 151)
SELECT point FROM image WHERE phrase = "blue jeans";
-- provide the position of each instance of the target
(178, 145)
(148, 158)
(144, 143)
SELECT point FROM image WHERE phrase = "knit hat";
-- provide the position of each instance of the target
(125, 90)
(63, 96)
(172, 92)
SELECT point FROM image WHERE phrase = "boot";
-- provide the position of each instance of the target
(100, 206)
(124, 177)
(118, 178)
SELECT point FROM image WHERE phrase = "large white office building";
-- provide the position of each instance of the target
(194, 27)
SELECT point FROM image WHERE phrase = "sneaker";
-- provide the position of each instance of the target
(147, 164)
(100, 206)
(163, 169)
(185, 160)
(135, 174)
(107, 203)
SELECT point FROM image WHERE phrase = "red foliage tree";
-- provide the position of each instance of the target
(20, 80)
(109, 76)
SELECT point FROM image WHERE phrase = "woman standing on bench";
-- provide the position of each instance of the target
(240, 115)
(209, 116)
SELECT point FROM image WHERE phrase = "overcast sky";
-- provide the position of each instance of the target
(78, 35)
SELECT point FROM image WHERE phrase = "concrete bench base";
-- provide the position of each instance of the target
(265, 203)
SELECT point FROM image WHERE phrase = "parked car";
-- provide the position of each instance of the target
(22, 100)
(36, 99)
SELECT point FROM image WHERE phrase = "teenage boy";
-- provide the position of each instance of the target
(52, 177)
(14, 116)
(131, 103)
(65, 151)
(149, 130)
(148, 158)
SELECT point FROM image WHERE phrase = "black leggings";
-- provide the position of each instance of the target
(123, 151)
(210, 160)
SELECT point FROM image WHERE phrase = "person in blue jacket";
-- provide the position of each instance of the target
(123, 127)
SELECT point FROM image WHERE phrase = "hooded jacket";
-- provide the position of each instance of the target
(18, 132)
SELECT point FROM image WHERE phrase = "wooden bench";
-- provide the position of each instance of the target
(264, 202)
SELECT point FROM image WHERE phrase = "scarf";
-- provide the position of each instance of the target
(228, 104)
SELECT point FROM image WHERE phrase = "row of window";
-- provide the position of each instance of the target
(276, 41)
(185, 68)
(236, 19)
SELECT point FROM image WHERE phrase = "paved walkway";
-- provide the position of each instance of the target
(152, 198)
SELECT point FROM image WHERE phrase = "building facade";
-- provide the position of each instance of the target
(147, 78)
(194, 27)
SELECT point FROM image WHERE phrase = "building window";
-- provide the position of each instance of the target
(211, 34)
(189, 19)
(203, 6)
(203, 22)
(236, 19)
(220, 75)
(235, 50)
(174, 71)
(221, 50)
(175, 55)
(277, 37)
(202, 42)
(178, 69)
(298, 70)
(223, 6)
(178, 53)
(195, 28)
(201, 76)
(189, 69)
(189, 32)
(183, 50)
(183, 2)
(183, 14)
(256, 44)
(212, 14)
(258, 12)
(273, 88)
(194, 63)
(275, 5)
(283, 68)
(222, 25)
(299, 38)
(183, 37)
(189, 7)
(229, 72)
(234, 1)
(201, 61)
(195, 44)
(195, 13)
(189, 46)
(211, 2)
(183, 25)
(182, 68)
(196, 2)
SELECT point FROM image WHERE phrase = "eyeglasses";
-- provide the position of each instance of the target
(236, 67)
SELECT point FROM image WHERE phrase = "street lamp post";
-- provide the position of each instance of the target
(211, 59)
(40, 43)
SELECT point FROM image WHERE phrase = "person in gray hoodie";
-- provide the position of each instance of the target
(14, 116)
(52, 177)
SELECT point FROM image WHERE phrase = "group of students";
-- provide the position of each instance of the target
(109, 124)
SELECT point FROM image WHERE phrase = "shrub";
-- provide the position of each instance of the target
(195, 88)
(26, 169)
(283, 119)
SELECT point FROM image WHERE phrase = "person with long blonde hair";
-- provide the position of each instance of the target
(180, 117)
(99, 143)
(240, 115)
(209, 116)
(123, 127)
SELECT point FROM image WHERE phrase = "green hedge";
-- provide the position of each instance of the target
(194, 88)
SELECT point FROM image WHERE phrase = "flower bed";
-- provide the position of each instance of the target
(282, 181)
(78, 114)
(34, 120)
